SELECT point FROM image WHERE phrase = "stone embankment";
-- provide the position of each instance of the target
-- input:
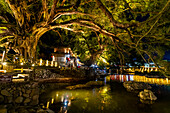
(15, 95)
(59, 73)
(26, 94)
(62, 76)
(24, 97)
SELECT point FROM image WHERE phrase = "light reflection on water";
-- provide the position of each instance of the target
(137, 78)
(111, 98)
(82, 99)
(102, 100)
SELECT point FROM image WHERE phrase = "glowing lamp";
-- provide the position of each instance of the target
(53, 58)
(46, 62)
(4, 63)
(40, 62)
(55, 64)
(52, 101)
(57, 95)
(156, 69)
(4, 71)
(52, 63)
(48, 103)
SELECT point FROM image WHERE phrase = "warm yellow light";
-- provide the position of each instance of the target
(57, 95)
(52, 101)
(46, 62)
(167, 80)
(22, 63)
(48, 103)
(69, 103)
(156, 69)
(62, 99)
(55, 64)
(105, 89)
(104, 60)
(4, 63)
(40, 62)
(33, 64)
(52, 63)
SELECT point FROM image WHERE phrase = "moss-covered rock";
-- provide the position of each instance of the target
(19, 99)
(147, 95)
(134, 86)
(5, 93)
(95, 83)
(27, 100)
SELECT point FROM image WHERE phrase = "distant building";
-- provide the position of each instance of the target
(61, 54)
(149, 67)
(151, 64)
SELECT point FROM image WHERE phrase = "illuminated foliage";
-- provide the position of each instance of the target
(120, 26)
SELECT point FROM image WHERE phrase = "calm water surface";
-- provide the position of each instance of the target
(110, 98)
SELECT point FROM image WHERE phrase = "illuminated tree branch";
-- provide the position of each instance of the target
(110, 16)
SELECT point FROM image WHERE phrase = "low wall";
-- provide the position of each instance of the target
(60, 73)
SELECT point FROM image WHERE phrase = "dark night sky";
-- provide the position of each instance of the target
(167, 55)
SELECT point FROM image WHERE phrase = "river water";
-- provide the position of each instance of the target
(110, 98)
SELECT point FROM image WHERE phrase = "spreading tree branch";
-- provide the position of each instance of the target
(148, 31)
(110, 16)
(81, 23)
(16, 11)
(137, 12)
(60, 13)
(45, 9)
(52, 12)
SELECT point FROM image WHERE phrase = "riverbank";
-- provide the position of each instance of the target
(48, 93)
(61, 80)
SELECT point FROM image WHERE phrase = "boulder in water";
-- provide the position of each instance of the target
(147, 95)
(132, 86)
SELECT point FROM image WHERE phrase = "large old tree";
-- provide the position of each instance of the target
(142, 25)
(28, 20)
